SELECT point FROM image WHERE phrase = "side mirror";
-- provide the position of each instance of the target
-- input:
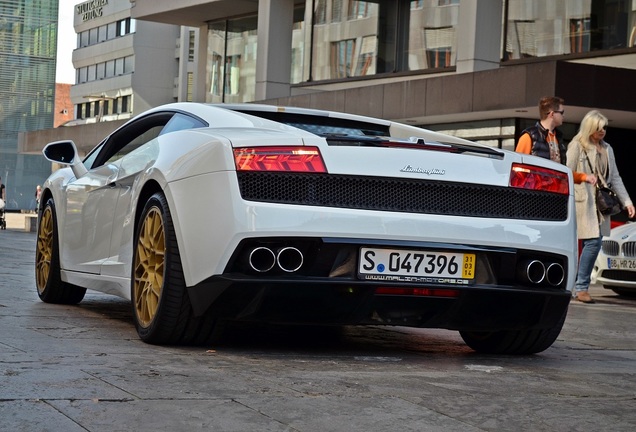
(65, 153)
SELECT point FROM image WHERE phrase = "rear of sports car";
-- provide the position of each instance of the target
(359, 223)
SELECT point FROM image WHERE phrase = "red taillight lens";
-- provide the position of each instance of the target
(537, 178)
(423, 292)
(295, 159)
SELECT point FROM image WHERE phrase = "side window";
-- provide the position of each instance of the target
(89, 161)
(182, 122)
(130, 137)
(145, 137)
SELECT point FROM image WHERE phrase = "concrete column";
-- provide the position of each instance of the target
(273, 54)
(182, 86)
(479, 35)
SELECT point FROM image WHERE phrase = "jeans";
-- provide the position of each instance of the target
(589, 251)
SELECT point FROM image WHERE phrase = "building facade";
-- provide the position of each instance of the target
(473, 68)
(455, 61)
(28, 42)
(123, 66)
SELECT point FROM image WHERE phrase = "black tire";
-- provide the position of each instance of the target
(517, 342)
(48, 280)
(625, 292)
(161, 306)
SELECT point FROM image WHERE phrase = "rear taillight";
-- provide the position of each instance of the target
(293, 159)
(537, 178)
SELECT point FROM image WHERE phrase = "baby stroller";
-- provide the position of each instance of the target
(3, 222)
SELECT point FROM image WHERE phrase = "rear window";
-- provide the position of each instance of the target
(324, 126)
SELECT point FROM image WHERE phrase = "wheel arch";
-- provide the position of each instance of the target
(149, 189)
(46, 194)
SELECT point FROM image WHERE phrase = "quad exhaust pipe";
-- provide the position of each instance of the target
(536, 272)
(289, 259)
(263, 259)
(555, 274)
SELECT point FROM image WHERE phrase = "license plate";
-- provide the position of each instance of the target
(621, 263)
(416, 266)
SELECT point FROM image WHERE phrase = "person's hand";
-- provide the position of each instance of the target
(591, 179)
(631, 211)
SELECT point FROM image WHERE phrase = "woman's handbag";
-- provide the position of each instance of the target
(607, 202)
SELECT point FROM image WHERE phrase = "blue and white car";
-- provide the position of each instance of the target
(203, 214)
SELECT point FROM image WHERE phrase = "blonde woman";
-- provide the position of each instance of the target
(588, 145)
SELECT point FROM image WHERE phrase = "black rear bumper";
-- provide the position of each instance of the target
(320, 301)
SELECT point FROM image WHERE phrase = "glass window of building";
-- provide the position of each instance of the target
(83, 39)
(102, 34)
(110, 68)
(191, 45)
(348, 38)
(298, 67)
(106, 32)
(111, 30)
(126, 106)
(562, 27)
(92, 73)
(123, 27)
(382, 36)
(231, 68)
(119, 66)
(92, 36)
(129, 64)
(320, 11)
(83, 75)
(345, 48)
(101, 71)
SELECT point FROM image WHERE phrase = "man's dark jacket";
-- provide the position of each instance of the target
(540, 146)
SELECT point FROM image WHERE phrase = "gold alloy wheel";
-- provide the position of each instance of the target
(44, 250)
(150, 255)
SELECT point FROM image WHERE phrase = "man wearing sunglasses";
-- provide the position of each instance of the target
(545, 140)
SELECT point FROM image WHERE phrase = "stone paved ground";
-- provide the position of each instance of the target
(82, 368)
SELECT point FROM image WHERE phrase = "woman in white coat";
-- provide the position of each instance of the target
(589, 153)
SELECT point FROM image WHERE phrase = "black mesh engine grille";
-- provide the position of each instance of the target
(401, 195)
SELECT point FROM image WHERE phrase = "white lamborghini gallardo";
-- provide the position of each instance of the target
(203, 214)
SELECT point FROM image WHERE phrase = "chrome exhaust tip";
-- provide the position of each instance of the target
(262, 259)
(532, 271)
(555, 274)
(289, 259)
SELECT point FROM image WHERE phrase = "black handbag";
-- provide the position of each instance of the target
(607, 202)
